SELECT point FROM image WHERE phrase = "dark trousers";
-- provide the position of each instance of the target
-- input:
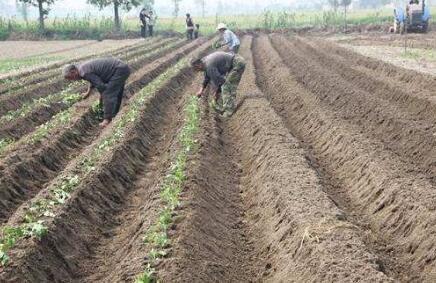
(144, 31)
(113, 95)
(190, 34)
(150, 30)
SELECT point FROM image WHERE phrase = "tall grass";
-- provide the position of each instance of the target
(95, 28)
(283, 20)
(70, 27)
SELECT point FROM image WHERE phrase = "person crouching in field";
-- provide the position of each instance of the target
(108, 76)
(151, 23)
(143, 16)
(225, 71)
(189, 27)
(196, 31)
(228, 39)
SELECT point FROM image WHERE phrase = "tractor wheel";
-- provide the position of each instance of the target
(425, 27)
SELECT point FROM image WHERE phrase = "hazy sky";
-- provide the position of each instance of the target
(79, 7)
(165, 7)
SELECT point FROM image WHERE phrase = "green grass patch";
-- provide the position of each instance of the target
(97, 28)
(4, 143)
(157, 236)
(7, 65)
(419, 54)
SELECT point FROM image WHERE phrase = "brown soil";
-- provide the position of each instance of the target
(412, 40)
(26, 124)
(101, 48)
(22, 49)
(107, 209)
(46, 72)
(28, 169)
(16, 99)
(325, 173)
(364, 176)
(255, 210)
(405, 128)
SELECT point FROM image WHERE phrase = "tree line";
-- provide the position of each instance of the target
(117, 5)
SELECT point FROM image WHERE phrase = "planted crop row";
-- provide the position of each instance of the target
(135, 63)
(66, 96)
(60, 119)
(30, 75)
(39, 76)
(156, 237)
(130, 57)
(33, 224)
(36, 79)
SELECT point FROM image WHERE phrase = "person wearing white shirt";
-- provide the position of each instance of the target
(229, 40)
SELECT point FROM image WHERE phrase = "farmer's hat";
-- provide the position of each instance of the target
(221, 26)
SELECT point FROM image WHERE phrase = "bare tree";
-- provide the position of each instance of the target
(43, 8)
(202, 4)
(117, 4)
(148, 4)
(334, 4)
(345, 4)
(176, 7)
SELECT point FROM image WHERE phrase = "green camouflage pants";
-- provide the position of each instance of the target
(228, 89)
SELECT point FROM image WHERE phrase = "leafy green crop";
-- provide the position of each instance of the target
(7, 65)
(157, 236)
(66, 97)
(4, 143)
(33, 223)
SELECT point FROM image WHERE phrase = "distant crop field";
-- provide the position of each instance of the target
(96, 28)
(19, 55)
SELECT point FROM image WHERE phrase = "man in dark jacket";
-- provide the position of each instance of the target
(189, 27)
(108, 76)
(224, 70)
(143, 15)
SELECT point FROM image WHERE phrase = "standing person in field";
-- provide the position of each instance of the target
(189, 27)
(143, 16)
(108, 76)
(151, 22)
(224, 70)
(196, 31)
(228, 39)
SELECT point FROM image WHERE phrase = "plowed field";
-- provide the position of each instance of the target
(325, 173)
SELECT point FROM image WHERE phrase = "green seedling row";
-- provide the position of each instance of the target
(42, 209)
(53, 75)
(68, 97)
(156, 237)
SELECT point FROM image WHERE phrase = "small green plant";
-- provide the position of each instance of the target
(10, 235)
(33, 225)
(157, 236)
(4, 143)
(66, 97)
(7, 65)
(148, 276)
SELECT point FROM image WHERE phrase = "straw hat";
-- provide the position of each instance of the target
(221, 26)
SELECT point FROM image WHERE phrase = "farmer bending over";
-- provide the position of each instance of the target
(108, 76)
(224, 70)
(228, 39)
